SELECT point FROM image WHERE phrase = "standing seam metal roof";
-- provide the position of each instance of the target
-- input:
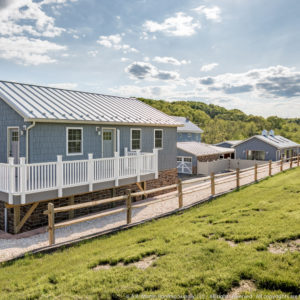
(276, 141)
(188, 126)
(54, 104)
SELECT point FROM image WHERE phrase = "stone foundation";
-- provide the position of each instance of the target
(38, 219)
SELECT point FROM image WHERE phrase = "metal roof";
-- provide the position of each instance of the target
(277, 141)
(47, 104)
(201, 149)
(232, 143)
(188, 126)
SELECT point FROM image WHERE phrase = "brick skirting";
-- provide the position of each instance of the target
(38, 219)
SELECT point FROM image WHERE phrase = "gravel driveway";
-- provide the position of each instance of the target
(10, 248)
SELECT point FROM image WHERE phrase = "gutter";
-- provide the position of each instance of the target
(27, 140)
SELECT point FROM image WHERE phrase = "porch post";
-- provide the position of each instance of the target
(116, 170)
(125, 151)
(138, 166)
(23, 179)
(11, 179)
(90, 171)
(59, 175)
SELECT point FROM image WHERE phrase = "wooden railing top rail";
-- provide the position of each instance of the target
(169, 187)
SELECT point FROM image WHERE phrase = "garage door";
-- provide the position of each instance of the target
(184, 165)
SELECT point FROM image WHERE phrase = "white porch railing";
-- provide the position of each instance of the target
(22, 179)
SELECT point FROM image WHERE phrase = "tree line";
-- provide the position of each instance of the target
(220, 124)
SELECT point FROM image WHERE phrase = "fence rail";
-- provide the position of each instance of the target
(204, 183)
(22, 179)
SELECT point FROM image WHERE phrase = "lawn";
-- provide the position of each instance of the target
(206, 250)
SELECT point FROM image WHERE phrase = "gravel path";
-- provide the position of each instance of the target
(10, 248)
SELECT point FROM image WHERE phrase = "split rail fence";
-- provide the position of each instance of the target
(208, 182)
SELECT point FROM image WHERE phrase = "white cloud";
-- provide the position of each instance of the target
(124, 59)
(211, 13)
(115, 42)
(170, 60)
(64, 85)
(28, 51)
(209, 67)
(144, 70)
(93, 53)
(179, 25)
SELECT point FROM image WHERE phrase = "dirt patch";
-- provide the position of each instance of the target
(281, 248)
(230, 243)
(143, 264)
(245, 286)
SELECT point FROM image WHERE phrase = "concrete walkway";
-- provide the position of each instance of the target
(193, 193)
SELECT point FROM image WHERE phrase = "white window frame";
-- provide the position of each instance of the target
(67, 141)
(139, 129)
(162, 139)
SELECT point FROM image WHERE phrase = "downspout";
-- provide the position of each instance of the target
(27, 141)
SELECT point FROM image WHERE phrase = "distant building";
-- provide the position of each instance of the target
(228, 144)
(266, 146)
(189, 132)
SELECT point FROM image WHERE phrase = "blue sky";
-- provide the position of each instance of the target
(235, 53)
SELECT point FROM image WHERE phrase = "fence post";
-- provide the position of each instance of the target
(291, 162)
(180, 195)
(270, 167)
(281, 165)
(116, 170)
(51, 225)
(128, 205)
(255, 172)
(12, 179)
(298, 160)
(212, 184)
(90, 172)
(23, 179)
(59, 175)
(155, 151)
(237, 178)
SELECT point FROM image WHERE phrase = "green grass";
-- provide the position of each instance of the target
(192, 259)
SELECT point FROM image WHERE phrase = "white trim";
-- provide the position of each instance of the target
(131, 139)
(114, 139)
(8, 128)
(162, 139)
(67, 141)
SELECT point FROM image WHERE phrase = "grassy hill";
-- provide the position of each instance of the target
(206, 250)
(220, 124)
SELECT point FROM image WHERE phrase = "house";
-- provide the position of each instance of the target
(266, 146)
(57, 144)
(228, 144)
(190, 153)
(189, 132)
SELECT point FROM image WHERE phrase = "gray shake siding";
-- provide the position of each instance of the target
(256, 145)
(47, 140)
(188, 137)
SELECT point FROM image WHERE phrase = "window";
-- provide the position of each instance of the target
(135, 139)
(74, 141)
(187, 159)
(15, 136)
(107, 136)
(256, 155)
(158, 139)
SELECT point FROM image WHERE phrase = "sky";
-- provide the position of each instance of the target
(242, 54)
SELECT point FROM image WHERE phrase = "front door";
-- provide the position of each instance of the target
(108, 142)
(13, 144)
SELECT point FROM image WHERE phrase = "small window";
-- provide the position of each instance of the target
(158, 139)
(179, 158)
(107, 136)
(135, 139)
(74, 142)
(188, 159)
(15, 136)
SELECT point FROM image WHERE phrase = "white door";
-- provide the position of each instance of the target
(108, 142)
(13, 144)
(184, 164)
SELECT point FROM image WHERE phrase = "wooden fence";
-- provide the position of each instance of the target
(198, 184)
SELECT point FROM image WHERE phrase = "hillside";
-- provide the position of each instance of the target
(250, 236)
(221, 124)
